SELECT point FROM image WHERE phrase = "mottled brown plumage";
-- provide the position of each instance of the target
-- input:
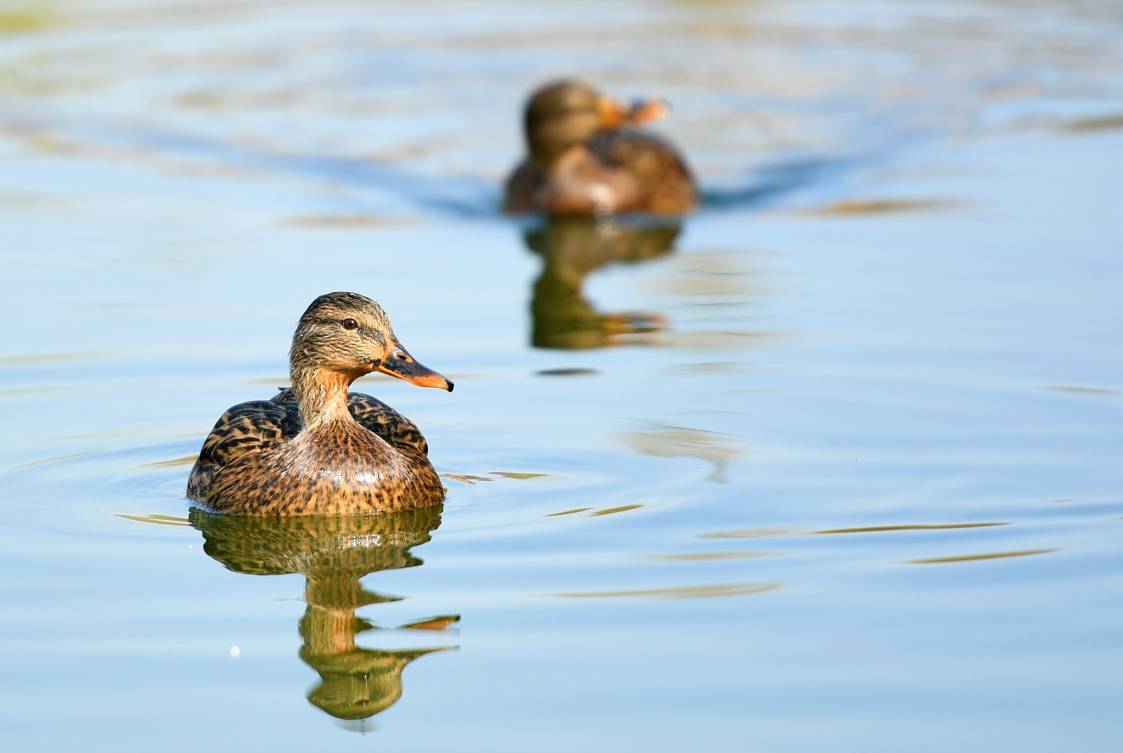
(315, 448)
(582, 161)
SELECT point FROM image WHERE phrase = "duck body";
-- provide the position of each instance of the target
(587, 157)
(619, 171)
(259, 460)
(316, 448)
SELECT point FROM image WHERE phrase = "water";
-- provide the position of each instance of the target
(835, 463)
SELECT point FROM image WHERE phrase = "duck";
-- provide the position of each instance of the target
(316, 447)
(586, 156)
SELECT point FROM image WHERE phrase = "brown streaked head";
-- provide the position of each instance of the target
(567, 113)
(350, 334)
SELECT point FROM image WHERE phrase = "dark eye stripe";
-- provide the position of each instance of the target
(362, 329)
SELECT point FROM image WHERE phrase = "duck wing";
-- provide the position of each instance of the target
(243, 430)
(666, 183)
(522, 187)
(387, 423)
(372, 414)
(250, 428)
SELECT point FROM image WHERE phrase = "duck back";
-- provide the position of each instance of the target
(641, 171)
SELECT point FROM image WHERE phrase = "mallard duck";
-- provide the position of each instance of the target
(583, 160)
(315, 448)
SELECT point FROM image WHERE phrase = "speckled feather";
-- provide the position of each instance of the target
(256, 460)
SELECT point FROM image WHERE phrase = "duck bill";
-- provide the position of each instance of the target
(414, 373)
(647, 110)
(614, 113)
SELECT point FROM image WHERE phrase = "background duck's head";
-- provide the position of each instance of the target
(565, 114)
(350, 335)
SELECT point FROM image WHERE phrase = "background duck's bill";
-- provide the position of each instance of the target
(647, 110)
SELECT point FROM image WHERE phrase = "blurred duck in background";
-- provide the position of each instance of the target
(586, 157)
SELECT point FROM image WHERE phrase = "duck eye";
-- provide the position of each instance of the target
(350, 324)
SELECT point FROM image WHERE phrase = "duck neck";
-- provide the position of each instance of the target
(322, 395)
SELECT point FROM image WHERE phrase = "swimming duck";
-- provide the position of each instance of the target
(583, 160)
(315, 447)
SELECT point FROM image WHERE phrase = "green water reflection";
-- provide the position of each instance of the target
(333, 553)
(573, 247)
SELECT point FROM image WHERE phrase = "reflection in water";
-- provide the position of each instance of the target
(571, 248)
(709, 556)
(675, 442)
(910, 527)
(333, 553)
(860, 207)
(683, 592)
(1094, 124)
(981, 557)
(753, 533)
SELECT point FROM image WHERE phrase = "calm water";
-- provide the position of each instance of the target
(834, 464)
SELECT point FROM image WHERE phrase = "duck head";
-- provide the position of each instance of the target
(565, 114)
(347, 335)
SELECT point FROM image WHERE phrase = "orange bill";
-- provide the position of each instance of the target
(615, 113)
(402, 365)
(646, 110)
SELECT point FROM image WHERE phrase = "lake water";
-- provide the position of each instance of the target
(835, 464)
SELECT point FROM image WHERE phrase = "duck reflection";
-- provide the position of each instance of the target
(571, 248)
(333, 553)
